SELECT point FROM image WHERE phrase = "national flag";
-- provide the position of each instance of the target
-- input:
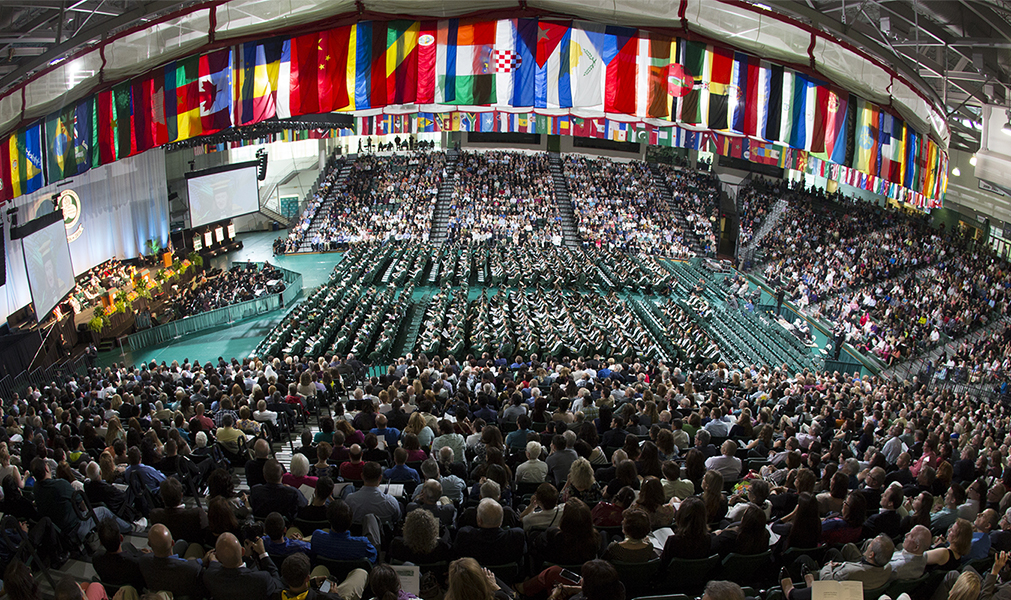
(641, 135)
(187, 97)
(542, 123)
(773, 103)
(756, 96)
(106, 128)
(216, 90)
(692, 58)
(464, 69)
(581, 126)
(835, 125)
(122, 121)
(552, 83)
(560, 125)
(587, 64)
(30, 167)
(867, 142)
(154, 111)
(283, 87)
(6, 181)
(738, 93)
(786, 112)
(661, 136)
(820, 120)
(331, 72)
(486, 122)
(60, 144)
(892, 148)
(619, 52)
(805, 114)
(506, 61)
(85, 135)
(721, 67)
(912, 158)
(402, 61)
(15, 164)
(617, 131)
(304, 74)
(766, 154)
(260, 78)
(652, 88)
(519, 39)
(427, 32)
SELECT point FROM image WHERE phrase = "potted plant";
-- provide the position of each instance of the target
(196, 259)
(96, 324)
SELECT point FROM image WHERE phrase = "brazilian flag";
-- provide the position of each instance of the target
(60, 145)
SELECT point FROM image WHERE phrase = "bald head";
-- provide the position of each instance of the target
(229, 551)
(489, 514)
(261, 448)
(917, 541)
(159, 538)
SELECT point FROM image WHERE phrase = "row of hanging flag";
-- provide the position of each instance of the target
(497, 64)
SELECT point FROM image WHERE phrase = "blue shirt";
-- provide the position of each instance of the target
(150, 476)
(342, 546)
(517, 440)
(390, 434)
(286, 547)
(401, 473)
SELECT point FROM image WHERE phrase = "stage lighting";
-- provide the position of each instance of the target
(956, 172)
(972, 160)
(1006, 129)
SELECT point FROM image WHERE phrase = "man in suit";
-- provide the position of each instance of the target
(702, 444)
(273, 496)
(254, 466)
(117, 565)
(887, 520)
(489, 543)
(228, 578)
(164, 570)
(185, 523)
(560, 460)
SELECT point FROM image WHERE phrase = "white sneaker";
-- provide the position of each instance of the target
(139, 525)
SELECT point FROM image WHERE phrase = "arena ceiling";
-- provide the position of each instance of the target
(960, 49)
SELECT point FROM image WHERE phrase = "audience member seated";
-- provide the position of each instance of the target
(337, 543)
(274, 496)
(488, 543)
(227, 577)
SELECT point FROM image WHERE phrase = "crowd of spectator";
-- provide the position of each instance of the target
(215, 289)
(504, 197)
(754, 202)
(618, 207)
(511, 463)
(887, 281)
(386, 197)
(299, 231)
(696, 193)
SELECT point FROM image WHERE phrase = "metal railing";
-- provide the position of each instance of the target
(221, 316)
(40, 377)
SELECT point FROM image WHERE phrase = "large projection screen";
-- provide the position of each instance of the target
(50, 270)
(219, 196)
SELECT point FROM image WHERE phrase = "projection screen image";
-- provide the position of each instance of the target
(222, 196)
(50, 270)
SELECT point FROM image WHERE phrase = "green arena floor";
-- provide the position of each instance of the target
(240, 338)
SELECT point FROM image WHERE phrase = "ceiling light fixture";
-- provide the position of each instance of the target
(972, 160)
(1006, 129)
(956, 172)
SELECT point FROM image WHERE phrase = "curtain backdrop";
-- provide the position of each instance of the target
(120, 207)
